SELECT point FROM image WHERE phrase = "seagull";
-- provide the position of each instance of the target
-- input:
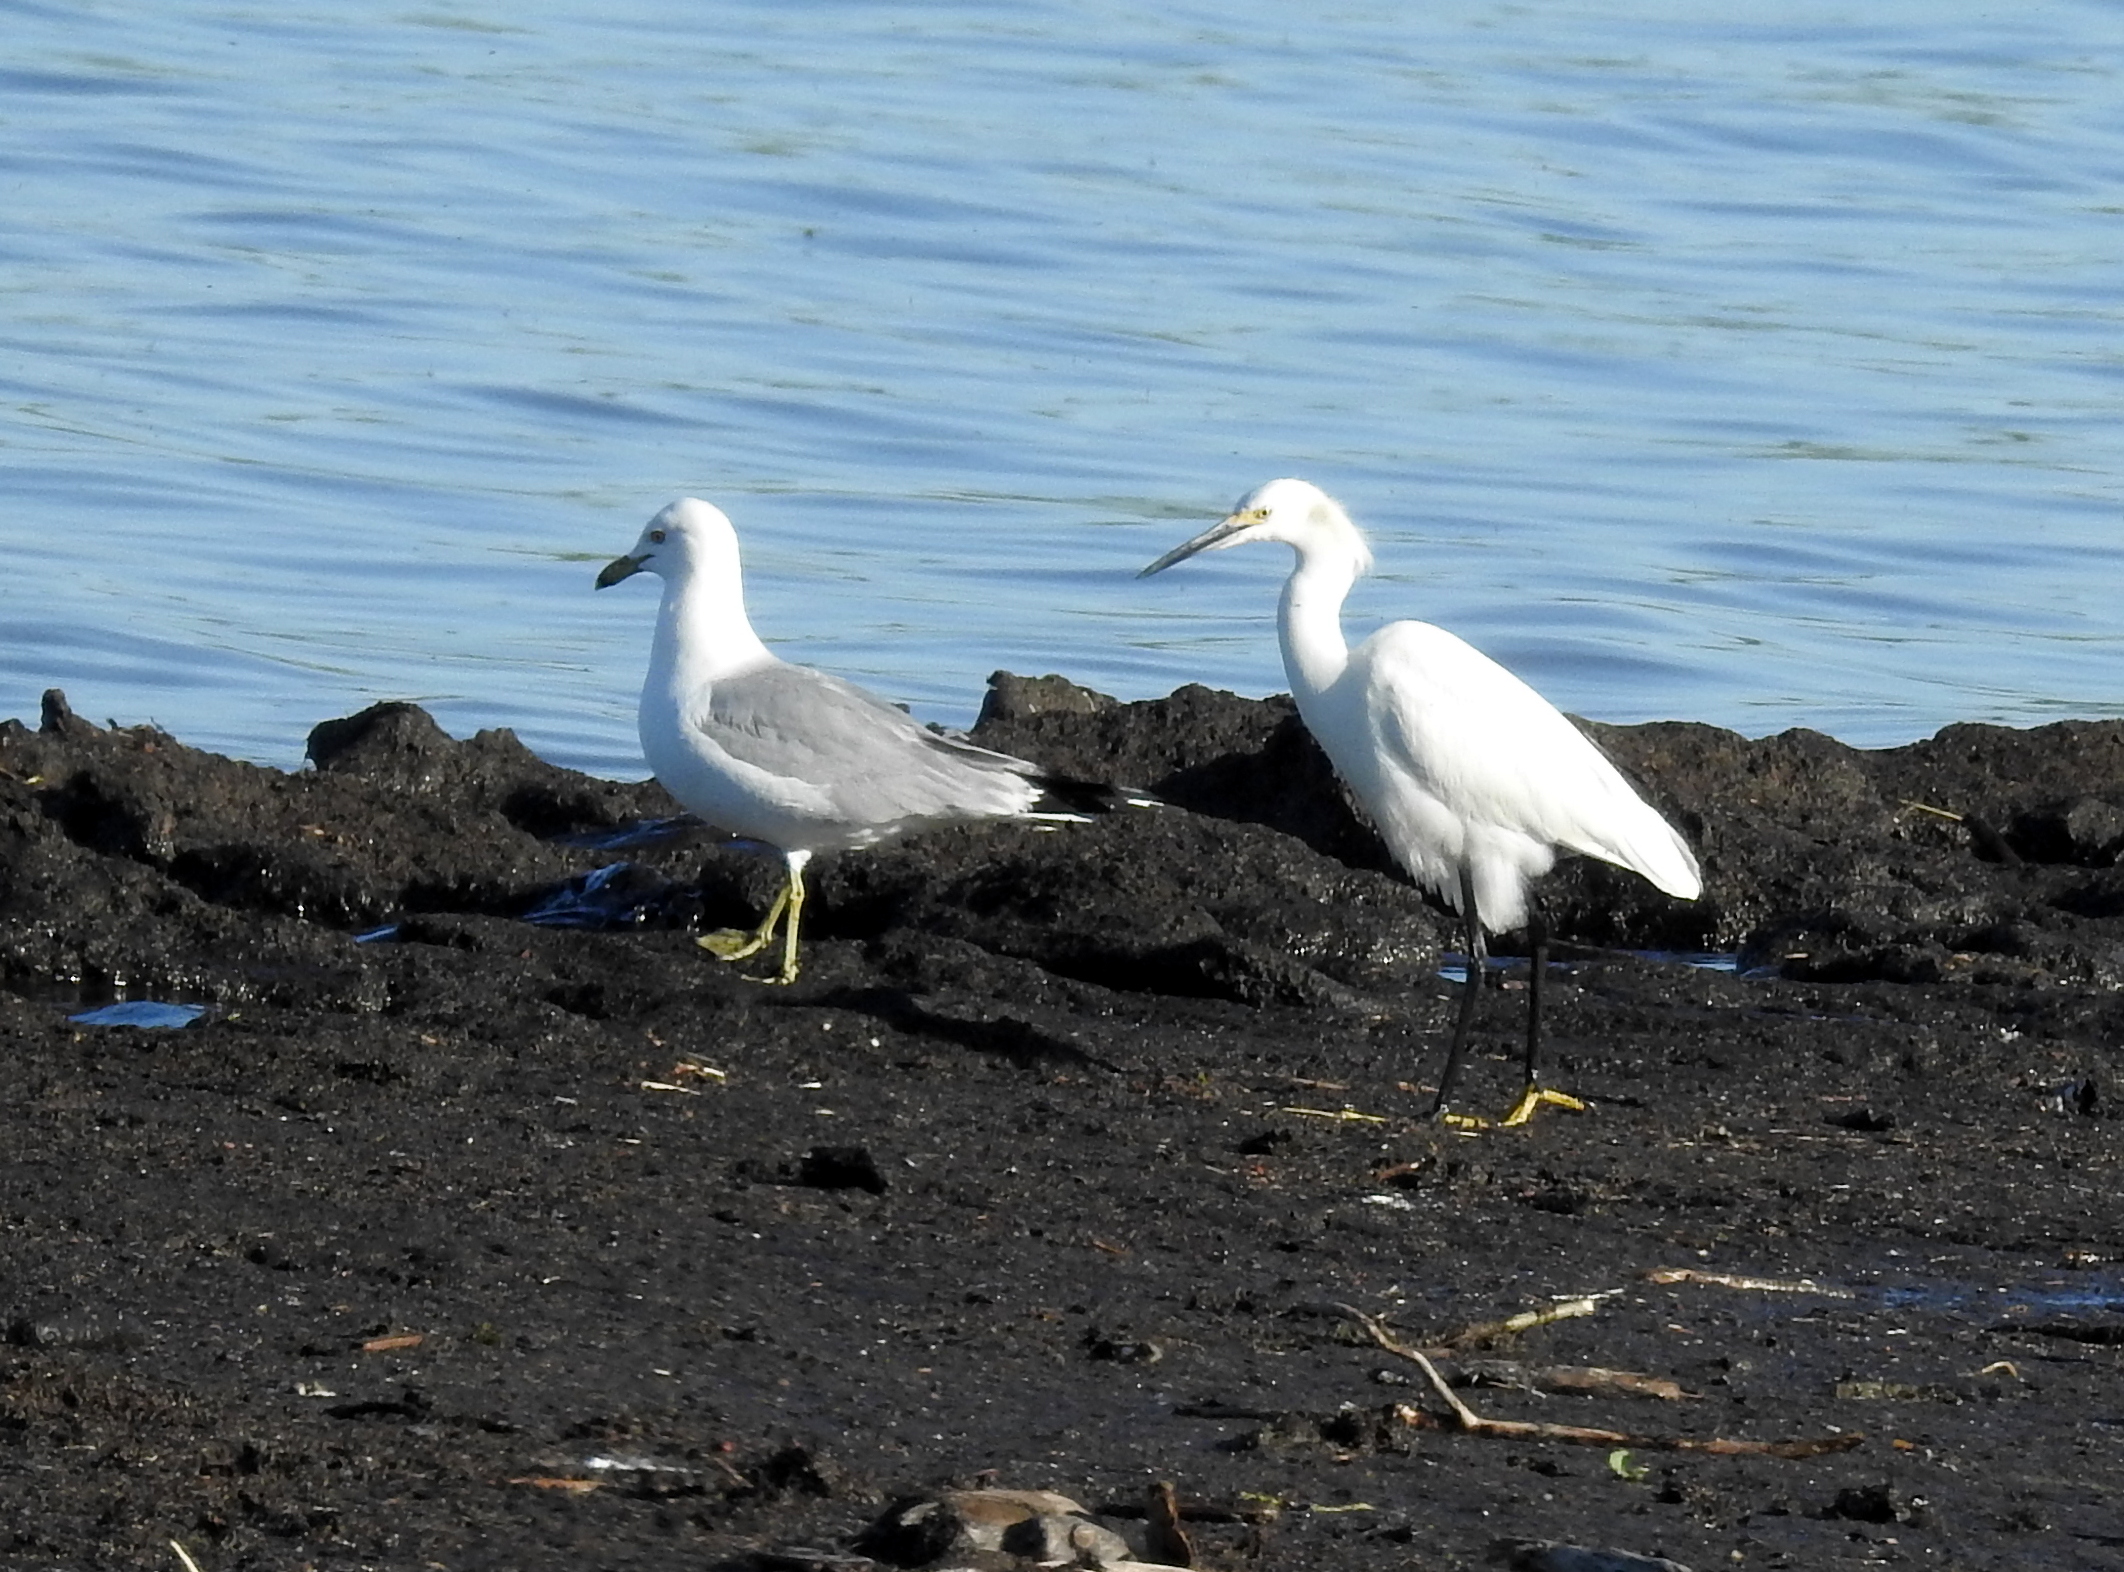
(1473, 779)
(783, 754)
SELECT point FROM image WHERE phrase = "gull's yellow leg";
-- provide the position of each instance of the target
(734, 944)
(789, 924)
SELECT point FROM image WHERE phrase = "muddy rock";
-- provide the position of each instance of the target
(1532, 1555)
(480, 1219)
(1008, 1530)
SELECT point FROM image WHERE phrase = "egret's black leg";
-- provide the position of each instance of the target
(1534, 1094)
(1537, 968)
(1471, 990)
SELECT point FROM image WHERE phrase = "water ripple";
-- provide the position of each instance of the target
(1760, 372)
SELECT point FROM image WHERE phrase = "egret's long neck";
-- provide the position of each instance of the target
(1310, 622)
(702, 632)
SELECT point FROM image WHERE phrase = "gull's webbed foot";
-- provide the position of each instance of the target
(735, 944)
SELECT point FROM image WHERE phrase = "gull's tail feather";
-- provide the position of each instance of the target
(1068, 800)
(1062, 798)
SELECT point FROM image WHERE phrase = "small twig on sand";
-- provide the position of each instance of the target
(574, 1487)
(1588, 1435)
(1163, 1540)
(1505, 1372)
(1524, 1321)
(1473, 1423)
(185, 1556)
(1480, 1332)
(1469, 1419)
(1343, 1115)
(1760, 1285)
(1982, 835)
(1584, 1380)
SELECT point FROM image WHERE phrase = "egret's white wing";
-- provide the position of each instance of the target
(1499, 758)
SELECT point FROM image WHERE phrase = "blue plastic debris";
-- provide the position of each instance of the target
(140, 1012)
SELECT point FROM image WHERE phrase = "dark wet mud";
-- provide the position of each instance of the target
(1075, 1161)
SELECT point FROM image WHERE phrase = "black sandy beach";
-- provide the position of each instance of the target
(1075, 1161)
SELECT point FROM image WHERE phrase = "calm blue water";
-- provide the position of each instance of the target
(1760, 373)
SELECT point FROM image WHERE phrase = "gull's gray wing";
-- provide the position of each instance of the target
(873, 763)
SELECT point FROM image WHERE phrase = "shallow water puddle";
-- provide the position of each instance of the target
(2083, 1307)
(1453, 966)
(2103, 1296)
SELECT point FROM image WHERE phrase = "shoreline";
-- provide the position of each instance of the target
(1051, 1166)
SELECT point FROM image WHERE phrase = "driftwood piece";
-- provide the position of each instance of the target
(1587, 1380)
(1759, 1285)
(1581, 1380)
(1163, 1540)
(1512, 1325)
(1468, 1421)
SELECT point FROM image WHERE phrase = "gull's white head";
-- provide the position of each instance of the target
(688, 537)
(1295, 512)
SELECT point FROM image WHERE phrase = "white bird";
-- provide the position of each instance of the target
(1472, 778)
(783, 754)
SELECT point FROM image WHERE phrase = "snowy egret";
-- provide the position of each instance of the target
(1473, 779)
(783, 754)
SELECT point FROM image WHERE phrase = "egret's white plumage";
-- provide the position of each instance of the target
(1471, 777)
(780, 753)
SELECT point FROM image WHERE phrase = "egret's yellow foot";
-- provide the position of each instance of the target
(1538, 1097)
(1522, 1112)
(734, 944)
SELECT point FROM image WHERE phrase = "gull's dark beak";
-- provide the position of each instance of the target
(1223, 533)
(618, 568)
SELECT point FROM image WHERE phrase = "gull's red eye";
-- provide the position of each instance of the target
(656, 537)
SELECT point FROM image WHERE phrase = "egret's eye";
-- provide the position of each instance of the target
(656, 537)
